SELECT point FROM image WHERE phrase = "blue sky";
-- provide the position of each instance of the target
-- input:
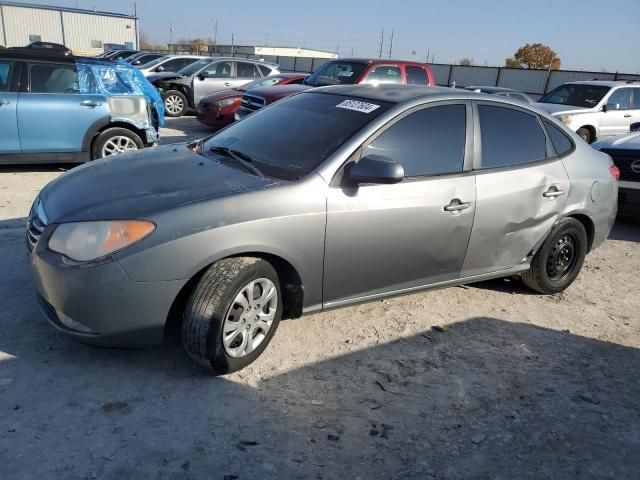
(586, 34)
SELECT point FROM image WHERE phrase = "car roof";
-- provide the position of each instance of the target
(417, 94)
(377, 61)
(240, 59)
(604, 83)
(490, 89)
(45, 55)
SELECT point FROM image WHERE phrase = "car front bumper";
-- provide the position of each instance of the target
(99, 304)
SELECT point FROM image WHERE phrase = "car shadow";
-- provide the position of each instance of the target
(37, 167)
(487, 398)
(625, 230)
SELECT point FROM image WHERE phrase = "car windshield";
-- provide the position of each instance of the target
(261, 82)
(577, 95)
(194, 67)
(292, 137)
(335, 73)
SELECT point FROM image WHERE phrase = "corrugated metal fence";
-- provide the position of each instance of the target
(533, 82)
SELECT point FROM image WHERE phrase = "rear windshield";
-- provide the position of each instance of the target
(335, 73)
(577, 95)
(292, 137)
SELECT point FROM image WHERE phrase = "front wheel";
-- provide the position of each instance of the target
(585, 134)
(232, 314)
(175, 103)
(557, 263)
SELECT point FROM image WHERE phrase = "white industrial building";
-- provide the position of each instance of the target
(83, 31)
(272, 51)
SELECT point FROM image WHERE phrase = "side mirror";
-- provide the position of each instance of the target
(611, 106)
(202, 75)
(159, 68)
(375, 169)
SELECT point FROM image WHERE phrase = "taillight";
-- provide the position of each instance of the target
(614, 171)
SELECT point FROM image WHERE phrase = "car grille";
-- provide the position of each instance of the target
(36, 224)
(624, 159)
(252, 102)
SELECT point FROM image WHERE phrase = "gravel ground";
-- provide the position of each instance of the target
(518, 385)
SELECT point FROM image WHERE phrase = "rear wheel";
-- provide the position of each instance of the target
(175, 103)
(114, 141)
(585, 134)
(232, 314)
(557, 263)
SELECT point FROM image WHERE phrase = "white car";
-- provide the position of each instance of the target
(168, 63)
(595, 109)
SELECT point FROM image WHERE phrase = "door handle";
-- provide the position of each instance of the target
(628, 115)
(90, 103)
(456, 206)
(4, 102)
(227, 84)
(552, 193)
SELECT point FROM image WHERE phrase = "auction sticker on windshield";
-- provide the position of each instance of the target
(358, 106)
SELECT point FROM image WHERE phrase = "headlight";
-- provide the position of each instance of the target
(224, 102)
(85, 241)
(566, 119)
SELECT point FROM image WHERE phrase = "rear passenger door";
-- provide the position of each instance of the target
(245, 72)
(390, 238)
(9, 76)
(53, 116)
(521, 187)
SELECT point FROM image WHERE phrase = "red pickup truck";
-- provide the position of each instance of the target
(342, 72)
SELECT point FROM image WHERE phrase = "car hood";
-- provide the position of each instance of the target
(137, 185)
(158, 76)
(556, 109)
(628, 141)
(271, 94)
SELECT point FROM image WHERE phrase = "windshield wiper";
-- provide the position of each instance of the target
(237, 156)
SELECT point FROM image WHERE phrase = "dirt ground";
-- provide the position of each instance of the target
(519, 386)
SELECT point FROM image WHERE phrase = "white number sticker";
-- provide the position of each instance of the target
(358, 106)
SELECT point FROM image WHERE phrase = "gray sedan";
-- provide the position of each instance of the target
(331, 197)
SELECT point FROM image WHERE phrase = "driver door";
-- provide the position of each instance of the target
(217, 76)
(391, 238)
(617, 119)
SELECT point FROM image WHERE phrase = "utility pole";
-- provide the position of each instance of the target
(391, 44)
(428, 52)
(351, 52)
(215, 35)
(171, 38)
(381, 43)
(337, 51)
(232, 40)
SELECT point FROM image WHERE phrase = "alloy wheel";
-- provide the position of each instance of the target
(249, 317)
(118, 144)
(174, 104)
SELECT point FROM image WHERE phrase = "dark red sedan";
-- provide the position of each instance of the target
(217, 110)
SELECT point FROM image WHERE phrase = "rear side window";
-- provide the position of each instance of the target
(510, 137)
(427, 142)
(46, 78)
(6, 75)
(416, 75)
(384, 74)
(247, 70)
(561, 143)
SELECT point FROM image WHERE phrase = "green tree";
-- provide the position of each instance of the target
(466, 61)
(538, 56)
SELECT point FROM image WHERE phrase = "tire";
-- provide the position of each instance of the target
(175, 103)
(213, 309)
(117, 140)
(585, 134)
(558, 261)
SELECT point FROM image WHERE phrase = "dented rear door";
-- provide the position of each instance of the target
(518, 195)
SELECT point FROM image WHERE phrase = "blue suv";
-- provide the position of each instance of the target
(57, 108)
